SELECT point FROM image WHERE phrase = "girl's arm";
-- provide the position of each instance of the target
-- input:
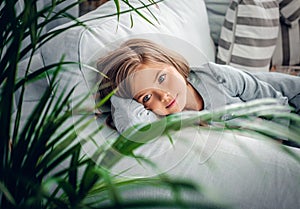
(245, 85)
(250, 86)
(128, 112)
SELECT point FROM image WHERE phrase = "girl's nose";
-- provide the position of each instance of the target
(164, 96)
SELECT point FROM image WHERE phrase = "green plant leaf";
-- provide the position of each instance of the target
(74, 164)
(7, 194)
(88, 180)
(117, 3)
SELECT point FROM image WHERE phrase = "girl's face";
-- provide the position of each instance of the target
(160, 88)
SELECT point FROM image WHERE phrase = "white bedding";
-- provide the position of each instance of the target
(241, 171)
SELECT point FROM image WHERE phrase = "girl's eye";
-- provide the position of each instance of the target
(161, 78)
(147, 98)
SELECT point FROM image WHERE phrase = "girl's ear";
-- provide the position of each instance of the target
(128, 112)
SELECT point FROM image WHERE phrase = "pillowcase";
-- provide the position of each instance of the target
(249, 34)
(287, 51)
(289, 11)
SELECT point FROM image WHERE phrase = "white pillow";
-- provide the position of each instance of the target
(249, 34)
(181, 19)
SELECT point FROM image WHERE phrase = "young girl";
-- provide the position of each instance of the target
(152, 79)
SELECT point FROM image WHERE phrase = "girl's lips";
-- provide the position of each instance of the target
(172, 103)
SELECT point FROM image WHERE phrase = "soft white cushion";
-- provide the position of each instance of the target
(249, 34)
(176, 20)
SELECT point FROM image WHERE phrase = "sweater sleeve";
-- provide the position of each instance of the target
(245, 85)
(128, 112)
(248, 87)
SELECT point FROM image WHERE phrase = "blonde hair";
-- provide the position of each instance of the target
(125, 60)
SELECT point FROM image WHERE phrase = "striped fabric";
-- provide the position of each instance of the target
(287, 51)
(249, 34)
(289, 11)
